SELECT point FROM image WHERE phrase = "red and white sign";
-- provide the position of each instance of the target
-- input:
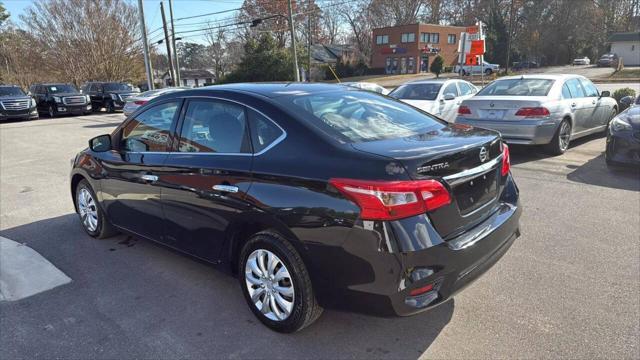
(477, 47)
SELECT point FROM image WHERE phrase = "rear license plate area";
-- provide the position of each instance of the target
(476, 192)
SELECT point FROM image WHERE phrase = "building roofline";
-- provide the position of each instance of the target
(418, 24)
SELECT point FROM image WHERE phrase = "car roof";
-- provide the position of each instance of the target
(541, 76)
(273, 90)
(52, 84)
(429, 81)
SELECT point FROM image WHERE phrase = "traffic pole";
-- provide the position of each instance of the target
(145, 46)
(166, 40)
(293, 44)
(173, 42)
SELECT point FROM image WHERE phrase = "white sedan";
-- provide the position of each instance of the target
(367, 86)
(440, 97)
(582, 61)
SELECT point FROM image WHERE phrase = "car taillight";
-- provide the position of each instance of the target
(533, 112)
(390, 200)
(464, 110)
(506, 160)
(140, 102)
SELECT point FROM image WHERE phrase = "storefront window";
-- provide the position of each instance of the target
(410, 65)
(388, 69)
(403, 65)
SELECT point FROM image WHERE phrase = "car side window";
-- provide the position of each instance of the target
(465, 89)
(591, 90)
(566, 93)
(575, 88)
(212, 126)
(451, 89)
(263, 131)
(150, 131)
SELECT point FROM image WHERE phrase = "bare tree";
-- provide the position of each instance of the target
(81, 44)
(217, 50)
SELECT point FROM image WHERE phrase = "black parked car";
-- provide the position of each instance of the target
(525, 65)
(608, 60)
(109, 95)
(59, 99)
(314, 195)
(15, 104)
(623, 138)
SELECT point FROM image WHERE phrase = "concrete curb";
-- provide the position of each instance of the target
(24, 272)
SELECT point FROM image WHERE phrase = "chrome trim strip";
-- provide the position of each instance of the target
(483, 230)
(473, 172)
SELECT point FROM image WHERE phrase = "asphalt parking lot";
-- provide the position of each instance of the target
(569, 287)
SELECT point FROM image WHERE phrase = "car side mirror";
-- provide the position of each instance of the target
(605, 94)
(627, 100)
(100, 143)
(449, 96)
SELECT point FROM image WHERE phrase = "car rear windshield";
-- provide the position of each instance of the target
(11, 91)
(518, 87)
(358, 116)
(116, 87)
(416, 92)
(61, 88)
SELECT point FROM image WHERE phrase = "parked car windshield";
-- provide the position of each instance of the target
(416, 91)
(358, 116)
(116, 87)
(61, 88)
(518, 87)
(11, 91)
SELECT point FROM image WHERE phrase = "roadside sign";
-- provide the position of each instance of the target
(477, 47)
(471, 60)
(472, 30)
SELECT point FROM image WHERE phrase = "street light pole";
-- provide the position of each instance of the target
(173, 41)
(293, 44)
(166, 39)
(145, 47)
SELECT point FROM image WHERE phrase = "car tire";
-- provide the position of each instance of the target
(51, 112)
(110, 107)
(488, 72)
(561, 139)
(291, 293)
(92, 217)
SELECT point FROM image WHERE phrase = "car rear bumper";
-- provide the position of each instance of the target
(378, 282)
(525, 132)
(623, 147)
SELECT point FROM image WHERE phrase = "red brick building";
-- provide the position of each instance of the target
(410, 49)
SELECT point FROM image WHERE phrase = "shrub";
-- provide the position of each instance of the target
(437, 65)
(620, 93)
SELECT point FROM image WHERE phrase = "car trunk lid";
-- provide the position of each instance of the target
(496, 108)
(465, 159)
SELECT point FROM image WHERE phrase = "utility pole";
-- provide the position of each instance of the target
(293, 44)
(309, 38)
(166, 40)
(506, 71)
(173, 42)
(145, 46)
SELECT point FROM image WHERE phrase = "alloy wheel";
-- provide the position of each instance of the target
(269, 284)
(565, 135)
(88, 210)
(51, 112)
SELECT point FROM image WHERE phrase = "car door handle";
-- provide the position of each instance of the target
(573, 105)
(593, 102)
(149, 178)
(225, 188)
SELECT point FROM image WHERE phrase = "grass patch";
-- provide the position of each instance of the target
(626, 74)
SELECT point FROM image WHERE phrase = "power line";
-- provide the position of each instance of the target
(208, 14)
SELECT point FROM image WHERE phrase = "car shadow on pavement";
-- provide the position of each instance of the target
(596, 172)
(132, 298)
(521, 154)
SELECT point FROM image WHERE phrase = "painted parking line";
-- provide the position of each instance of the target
(24, 272)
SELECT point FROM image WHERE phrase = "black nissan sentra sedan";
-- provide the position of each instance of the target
(314, 195)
